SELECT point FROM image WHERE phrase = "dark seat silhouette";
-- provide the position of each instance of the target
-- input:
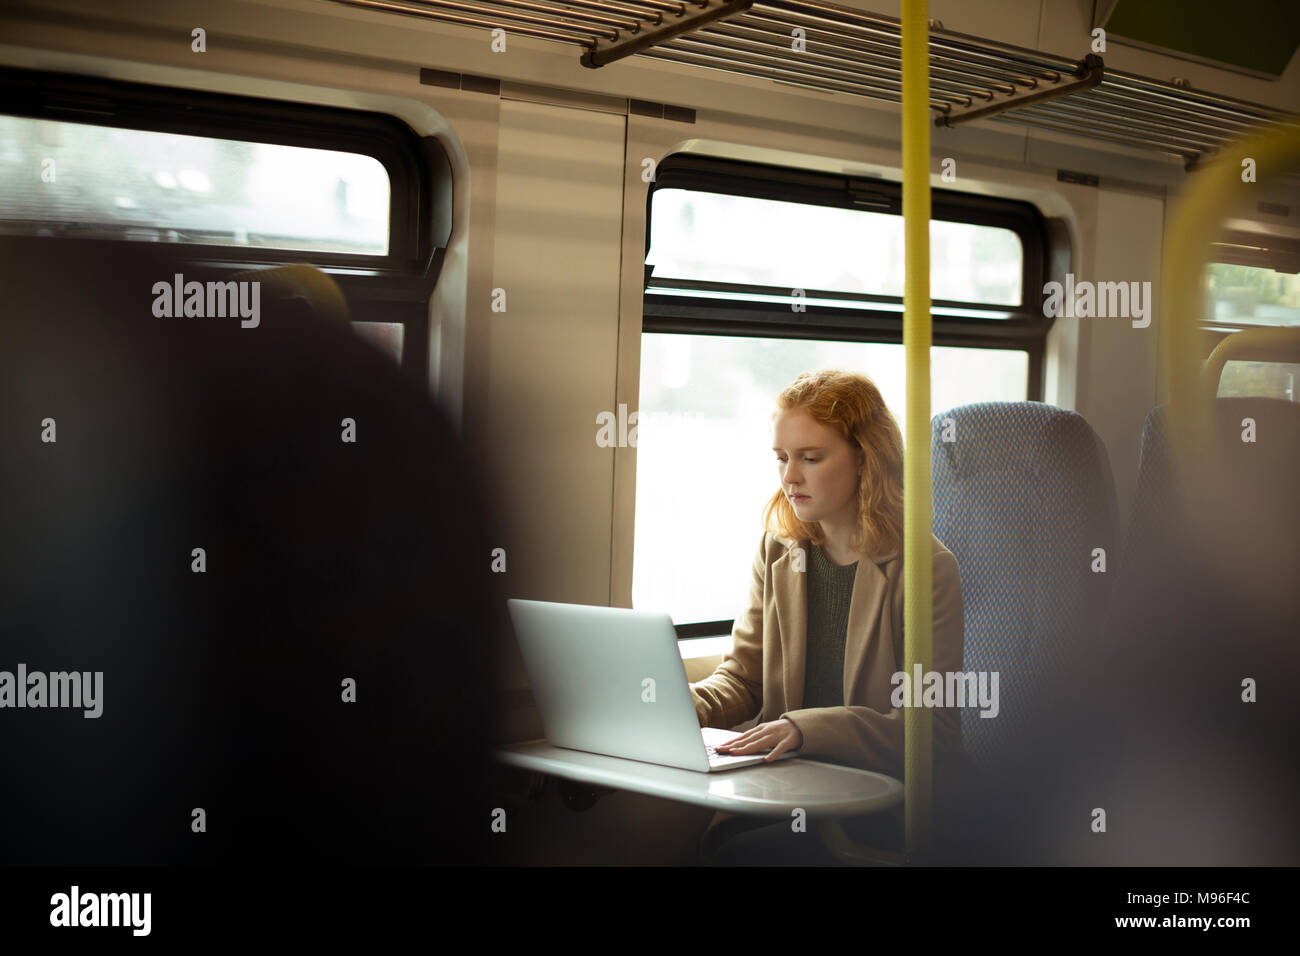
(325, 561)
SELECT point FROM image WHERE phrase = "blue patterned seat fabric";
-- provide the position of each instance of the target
(1022, 497)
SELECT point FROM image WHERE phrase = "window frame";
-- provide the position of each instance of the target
(1022, 327)
(383, 288)
(115, 104)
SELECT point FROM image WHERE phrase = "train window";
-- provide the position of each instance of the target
(702, 236)
(703, 432)
(75, 179)
(1245, 295)
(231, 182)
(754, 274)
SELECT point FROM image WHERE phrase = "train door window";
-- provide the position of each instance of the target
(231, 182)
(755, 274)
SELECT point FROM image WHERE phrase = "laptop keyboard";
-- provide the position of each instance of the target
(715, 755)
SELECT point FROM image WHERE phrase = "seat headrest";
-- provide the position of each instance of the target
(301, 281)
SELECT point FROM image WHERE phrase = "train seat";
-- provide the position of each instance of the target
(1023, 496)
(1257, 440)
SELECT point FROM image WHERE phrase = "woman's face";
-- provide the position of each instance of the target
(818, 469)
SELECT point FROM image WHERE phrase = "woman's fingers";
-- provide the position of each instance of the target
(786, 743)
(777, 736)
(737, 741)
(747, 740)
(748, 737)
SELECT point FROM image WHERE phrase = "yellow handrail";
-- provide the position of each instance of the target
(1214, 193)
(917, 553)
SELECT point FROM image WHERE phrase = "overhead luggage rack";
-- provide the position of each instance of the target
(837, 49)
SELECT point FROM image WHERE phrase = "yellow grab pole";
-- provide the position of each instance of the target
(1242, 171)
(917, 621)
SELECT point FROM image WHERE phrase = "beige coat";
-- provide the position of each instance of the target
(764, 672)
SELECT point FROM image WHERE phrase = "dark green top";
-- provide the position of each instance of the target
(830, 589)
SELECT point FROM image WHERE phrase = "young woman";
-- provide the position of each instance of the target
(814, 653)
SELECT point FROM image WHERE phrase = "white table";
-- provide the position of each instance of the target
(822, 790)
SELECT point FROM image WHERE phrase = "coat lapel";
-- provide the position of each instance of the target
(791, 588)
(869, 587)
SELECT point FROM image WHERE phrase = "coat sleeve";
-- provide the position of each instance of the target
(873, 740)
(733, 693)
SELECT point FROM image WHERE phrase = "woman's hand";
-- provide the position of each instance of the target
(781, 735)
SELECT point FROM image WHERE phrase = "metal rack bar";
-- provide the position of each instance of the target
(939, 39)
(1066, 112)
(623, 9)
(679, 8)
(976, 75)
(1091, 72)
(846, 30)
(728, 39)
(784, 74)
(1140, 118)
(709, 10)
(1119, 99)
(1073, 129)
(851, 51)
(1142, 83)
(871, 50)
(760, 58)
(617, 24)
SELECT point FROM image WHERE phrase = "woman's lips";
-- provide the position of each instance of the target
(798, 497)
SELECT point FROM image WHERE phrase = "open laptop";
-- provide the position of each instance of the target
(611, 681)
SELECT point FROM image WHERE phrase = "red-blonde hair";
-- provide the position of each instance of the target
(851, 404)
